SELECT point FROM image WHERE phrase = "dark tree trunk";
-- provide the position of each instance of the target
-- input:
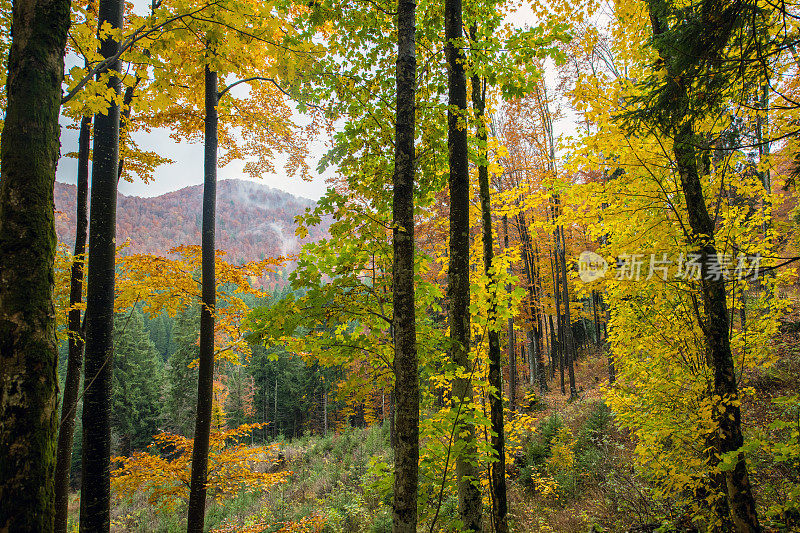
(554, 352)
(96, 460)
(205, 381)
(560, 345)
(533, 305)
(28, 349)
(66, 429)
(727, 413)
(127, 100)
(595, 318)
(392, 428)
(469, 495)
(497, 481)
(512, 339)
(568, 342)
(404, 319)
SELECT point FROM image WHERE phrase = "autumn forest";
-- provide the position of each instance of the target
(552, 284)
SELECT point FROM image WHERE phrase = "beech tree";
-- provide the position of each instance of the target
(469, 496)
(28, 352)
(404, 318)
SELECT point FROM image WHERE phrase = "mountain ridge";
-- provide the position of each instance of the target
(253, 220)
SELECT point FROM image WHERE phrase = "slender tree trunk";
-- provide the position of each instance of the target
(533, 305)
(96, 459)
(28, 349)
(512, 339)
(569, 342)
(497, 470)
(404, 318)
(554, 353)
(125, 115)
(595, 318)
(392, 428)
(66, 429)
(469, 495)
(559, 317)
(205, 381)
(727, 413)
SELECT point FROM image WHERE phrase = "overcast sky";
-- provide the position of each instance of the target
(188, 167)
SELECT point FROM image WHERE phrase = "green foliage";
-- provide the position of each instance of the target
(137, 384)
(181, 374)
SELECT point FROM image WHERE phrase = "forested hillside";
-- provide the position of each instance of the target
(253, 220)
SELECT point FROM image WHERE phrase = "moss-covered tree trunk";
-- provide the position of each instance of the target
(404, 316)
(28, 351)
(497, 469)
(66, 429)
(469, 495)
(99, 350)
(205, 381)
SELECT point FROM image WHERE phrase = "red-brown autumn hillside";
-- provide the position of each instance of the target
(253, 221)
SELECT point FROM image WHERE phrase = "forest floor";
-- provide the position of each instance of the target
(575, 475)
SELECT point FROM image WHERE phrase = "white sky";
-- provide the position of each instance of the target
(188, 167)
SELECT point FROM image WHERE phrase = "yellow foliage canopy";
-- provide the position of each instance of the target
(164, 472)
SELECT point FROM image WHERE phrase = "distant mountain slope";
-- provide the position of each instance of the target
(253, 220)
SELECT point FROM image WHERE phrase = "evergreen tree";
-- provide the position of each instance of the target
(160, 328)
(138, 371)
(181, 380)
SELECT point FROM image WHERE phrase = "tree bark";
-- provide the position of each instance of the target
(497, 469)
(533, 305)
(99, 357)
(569, 342)
(205, 381)
(66, 429)
(469, 496)
(512, 339)
(404, 314)
(28, 349)
(560, 345)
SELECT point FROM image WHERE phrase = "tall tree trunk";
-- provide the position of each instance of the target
(569, 341)
(727, 413)
(205, 381)
(497, 470)
(28, 349)
(469, 495)
(533, 305)
(595, 318)
(96, 459)
(512, 339)
(554, 353)
(66, 429)
(561, 345)
(404, 318)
